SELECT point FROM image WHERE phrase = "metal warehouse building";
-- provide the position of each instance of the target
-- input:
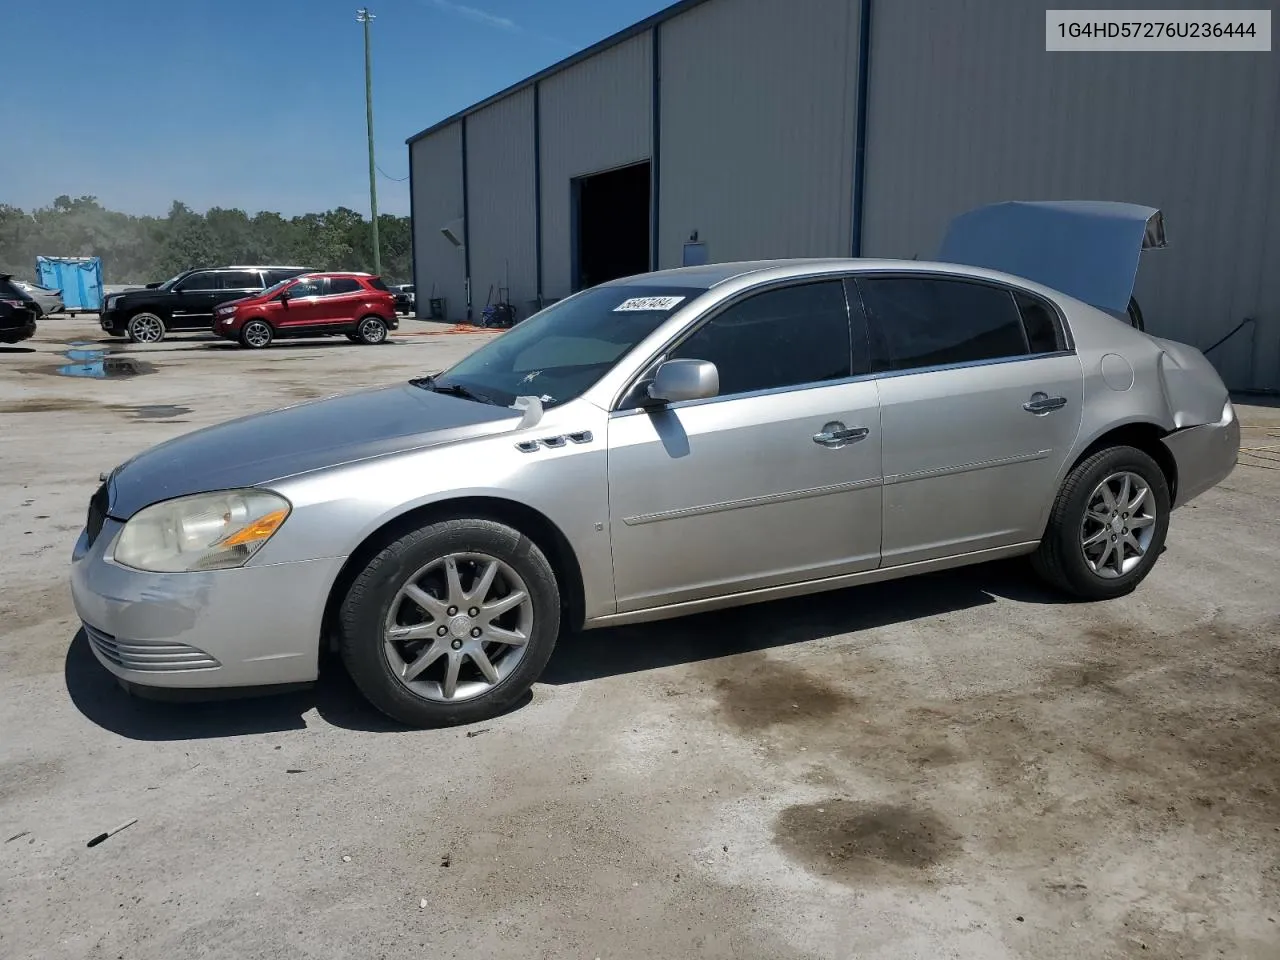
(739, 129)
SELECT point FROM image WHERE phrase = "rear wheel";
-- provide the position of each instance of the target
(145, 328)
(256, 334)
(372, 330)
(1108, 525)
(451, 623)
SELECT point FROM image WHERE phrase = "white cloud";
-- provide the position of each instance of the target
(478, 15)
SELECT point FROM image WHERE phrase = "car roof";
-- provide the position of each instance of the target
(714, 274)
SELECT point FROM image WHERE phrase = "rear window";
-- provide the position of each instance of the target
(377, 284)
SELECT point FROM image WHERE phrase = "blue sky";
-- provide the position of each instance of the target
(258, 105)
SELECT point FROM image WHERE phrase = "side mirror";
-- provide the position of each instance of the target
(678, 380)
(283, 296)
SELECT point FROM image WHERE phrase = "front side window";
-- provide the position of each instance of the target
(929, 322)
(566, 348)
(779, 338)
(307, 288)
(338, 285)
(204, 280)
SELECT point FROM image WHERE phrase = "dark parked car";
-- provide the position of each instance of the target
(406, 298)
(17, 312)
(187, 301)
(314, 305)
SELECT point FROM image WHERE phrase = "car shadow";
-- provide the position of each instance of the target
(8, 349)
(578, 657)
(614, 651)
(98, 696)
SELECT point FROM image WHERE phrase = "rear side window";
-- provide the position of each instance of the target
(241, 280)
(339, 285)
(377, 284)
(779, 338)
(926, 322)
(1044, 332)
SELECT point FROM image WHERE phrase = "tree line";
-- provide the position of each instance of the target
(144, 249)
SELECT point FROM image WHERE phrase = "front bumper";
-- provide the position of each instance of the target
(112, 320)
(1205, 455)
(251, 626)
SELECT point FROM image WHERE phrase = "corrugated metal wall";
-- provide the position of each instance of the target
(757, 111)
(500, 203)
(595, 116)
(436, 165)
(967, 108)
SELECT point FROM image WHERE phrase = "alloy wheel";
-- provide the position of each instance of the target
(458, 627)
(146, 329)
(373, 331)
(1118, 526)
(257, 334)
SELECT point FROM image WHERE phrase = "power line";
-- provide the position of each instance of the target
(390, 177)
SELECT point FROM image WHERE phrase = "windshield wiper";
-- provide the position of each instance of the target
(451, 390)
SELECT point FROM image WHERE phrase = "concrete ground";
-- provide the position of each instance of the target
(955, 766)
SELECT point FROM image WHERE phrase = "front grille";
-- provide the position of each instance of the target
(97, 514)
(153, 656)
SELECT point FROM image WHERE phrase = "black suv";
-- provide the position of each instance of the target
(185, 302)
(17, 312)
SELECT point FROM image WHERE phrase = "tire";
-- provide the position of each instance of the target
(371, 330)
(256, 335)
(378, 602)
(145, 327)
(1073, 556)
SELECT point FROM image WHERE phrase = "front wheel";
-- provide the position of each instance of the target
(256, 334)
(451, 623)
(145, 328)
(372, 330)
(1107, 526)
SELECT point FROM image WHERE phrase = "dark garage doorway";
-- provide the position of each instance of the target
(611, 225)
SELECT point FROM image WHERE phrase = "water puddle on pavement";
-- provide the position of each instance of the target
(92, 361)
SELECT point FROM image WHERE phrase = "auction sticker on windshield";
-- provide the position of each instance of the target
(647, 303)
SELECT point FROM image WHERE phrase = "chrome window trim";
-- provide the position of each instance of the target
(891, 273)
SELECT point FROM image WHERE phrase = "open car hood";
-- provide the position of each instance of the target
(1088, 249)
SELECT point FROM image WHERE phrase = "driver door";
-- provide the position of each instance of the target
(303, 307)
(194, 299)
(750, 489)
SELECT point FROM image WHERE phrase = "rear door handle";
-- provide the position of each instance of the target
(1041, 403)
(838, 435)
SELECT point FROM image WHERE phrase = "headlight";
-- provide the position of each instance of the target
(111, 302)
(227, 309)
(210, 531)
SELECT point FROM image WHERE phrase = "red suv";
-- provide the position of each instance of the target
(311, 305)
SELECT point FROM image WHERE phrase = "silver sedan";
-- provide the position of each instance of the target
(657, 446)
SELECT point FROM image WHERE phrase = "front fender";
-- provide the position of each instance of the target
(336, 510)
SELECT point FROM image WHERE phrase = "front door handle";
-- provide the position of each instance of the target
(1041, 403)
(836, 434)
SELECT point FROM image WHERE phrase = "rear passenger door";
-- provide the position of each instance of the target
(236, 284)
(341, 304)
(980, 399)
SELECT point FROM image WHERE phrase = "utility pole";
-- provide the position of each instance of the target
(364, 16)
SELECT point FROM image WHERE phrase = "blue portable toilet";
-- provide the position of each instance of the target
(79, 279)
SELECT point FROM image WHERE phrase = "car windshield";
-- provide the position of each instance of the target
(168, 284)
(566, 348)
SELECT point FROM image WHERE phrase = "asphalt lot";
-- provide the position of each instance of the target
(954, 766)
